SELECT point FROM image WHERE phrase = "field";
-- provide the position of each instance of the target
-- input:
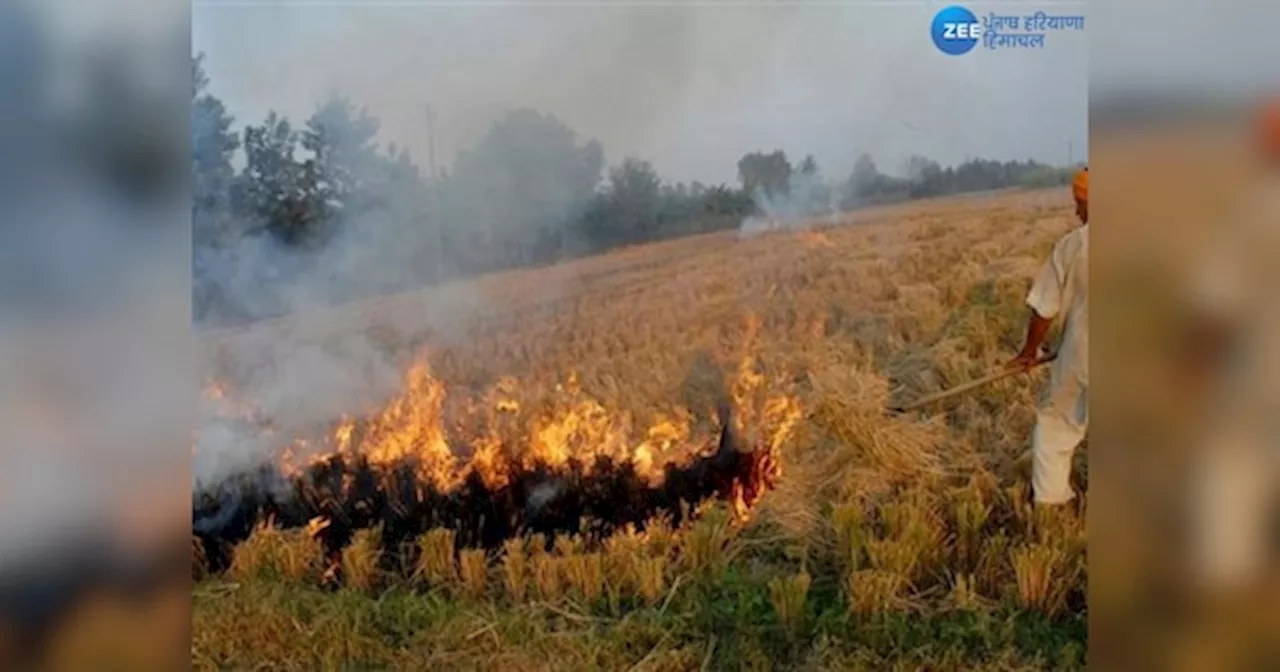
(889, 542)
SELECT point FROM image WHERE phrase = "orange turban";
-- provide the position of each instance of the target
(1080, 185)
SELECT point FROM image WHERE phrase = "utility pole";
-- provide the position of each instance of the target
(437, 218)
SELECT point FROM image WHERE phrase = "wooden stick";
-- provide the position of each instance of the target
(965, 387)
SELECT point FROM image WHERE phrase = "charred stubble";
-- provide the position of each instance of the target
(350, 493)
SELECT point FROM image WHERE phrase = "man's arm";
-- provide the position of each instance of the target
(1037, 332)
(1045, 302)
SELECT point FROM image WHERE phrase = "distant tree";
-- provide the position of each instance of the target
(378, 197)
(680, 191)
(765, 174)
(811, 194)
(1045, 176)
(925, 176)
(213, 144)
(350, 171)
(864, 183)
(214, 224)
(516, 192)
(866, 178)
(634, 192)
(529, 191)
(278, 193)
(809, 166)
(722, 202)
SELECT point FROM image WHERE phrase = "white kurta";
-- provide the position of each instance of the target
(1061, 290)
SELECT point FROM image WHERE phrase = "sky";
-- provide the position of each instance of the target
(689, 87)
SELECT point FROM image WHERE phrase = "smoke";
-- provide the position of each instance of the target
(320, 359)
(808, 201)
(720, 82)
(329, 322)
(689, 88)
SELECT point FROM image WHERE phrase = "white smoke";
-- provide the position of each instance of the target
(321, 361)
(808, 202)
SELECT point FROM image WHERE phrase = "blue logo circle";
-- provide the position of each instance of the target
(956, 30)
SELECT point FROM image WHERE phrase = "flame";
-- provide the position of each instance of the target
(220, 403)
(663, 437)
(352, 475)
(410, 426)
(501, 431)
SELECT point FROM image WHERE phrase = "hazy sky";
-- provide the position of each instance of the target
(688, 87)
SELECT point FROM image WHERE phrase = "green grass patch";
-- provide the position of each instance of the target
(293, 625)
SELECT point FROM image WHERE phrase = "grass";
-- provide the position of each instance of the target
(891, 542)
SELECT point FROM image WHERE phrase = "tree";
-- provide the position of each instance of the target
(726, 205)
(864, 183)
(278, 193)
(212, 145)
(349, 170)
(809, 166)
(925, 176)
(634, 196)
(768, 175)
(516, 193)
(376, 202)
(810, 193)
(214, 224)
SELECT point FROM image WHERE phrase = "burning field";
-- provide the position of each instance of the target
(671, 457)
(574, 473)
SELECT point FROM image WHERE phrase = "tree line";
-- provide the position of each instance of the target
(530, 191)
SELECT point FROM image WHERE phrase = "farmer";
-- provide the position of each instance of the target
(1062, 417)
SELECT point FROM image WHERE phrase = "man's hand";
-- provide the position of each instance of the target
(1037, 331)
(1025, 360)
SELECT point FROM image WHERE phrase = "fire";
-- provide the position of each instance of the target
(766, 418)
(411, 426)
(661, 439)
(521, 468)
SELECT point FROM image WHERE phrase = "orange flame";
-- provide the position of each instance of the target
(412, 425)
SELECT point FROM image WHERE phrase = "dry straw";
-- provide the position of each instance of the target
(473, 570)
(788, 596)
(360, 560)
(436, 566)
(272, 552)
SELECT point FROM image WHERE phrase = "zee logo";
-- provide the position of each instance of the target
(956, 30)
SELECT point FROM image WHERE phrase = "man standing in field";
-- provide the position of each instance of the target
(1062, 417)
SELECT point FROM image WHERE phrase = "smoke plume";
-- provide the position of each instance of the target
(807, 201)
